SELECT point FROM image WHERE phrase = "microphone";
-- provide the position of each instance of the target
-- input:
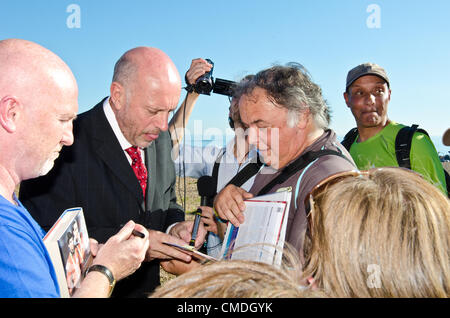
(206, 188)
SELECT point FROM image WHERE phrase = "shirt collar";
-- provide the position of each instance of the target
(111, 117)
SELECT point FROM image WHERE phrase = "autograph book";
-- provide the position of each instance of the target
(68, 245)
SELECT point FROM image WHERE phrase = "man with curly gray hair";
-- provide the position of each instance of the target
(287, 119)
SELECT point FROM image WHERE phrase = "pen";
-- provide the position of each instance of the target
(138, 234)
(135, 232)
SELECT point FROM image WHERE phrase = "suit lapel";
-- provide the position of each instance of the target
(108, 149)
(150, 163)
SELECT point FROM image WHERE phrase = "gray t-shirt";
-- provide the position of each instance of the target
(302, 183)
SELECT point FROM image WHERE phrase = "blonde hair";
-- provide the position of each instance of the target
(239, 279)
(385, 235)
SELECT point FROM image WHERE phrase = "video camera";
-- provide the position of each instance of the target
(206, 83)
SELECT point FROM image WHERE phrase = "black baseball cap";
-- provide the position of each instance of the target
(363, 70)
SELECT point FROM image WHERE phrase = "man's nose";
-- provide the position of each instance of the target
(370, 99)
(252, 136)
(67, 138)
(162, 121)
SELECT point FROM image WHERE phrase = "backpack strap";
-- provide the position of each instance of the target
(349, 138)
(403, 142)
(242, 176)
(215, 171)
(246, 173)
(298, 165)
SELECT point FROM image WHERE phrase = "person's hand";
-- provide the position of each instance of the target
(183, 231)
(158, 250)
(123, 253)
(208, 219)
(177, 267)
(198, 68)
(94, 246)
(229, 204)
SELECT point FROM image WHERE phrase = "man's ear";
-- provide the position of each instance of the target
(346, 97)
(9, 113)
(304, 118)
(117, 95)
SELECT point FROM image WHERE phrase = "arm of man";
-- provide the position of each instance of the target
(181, 117)
(173, 260)
(177, 267)
(159, 250)
(179, 121)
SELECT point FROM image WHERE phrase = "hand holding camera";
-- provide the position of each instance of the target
(199, 79)
(198, 68)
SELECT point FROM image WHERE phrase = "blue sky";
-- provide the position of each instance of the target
(410, 39)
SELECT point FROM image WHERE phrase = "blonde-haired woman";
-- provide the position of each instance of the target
(241, 279)
(379, 233)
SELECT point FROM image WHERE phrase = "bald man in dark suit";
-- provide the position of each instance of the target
(120, 167)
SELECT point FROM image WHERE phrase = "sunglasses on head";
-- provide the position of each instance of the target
(335, 178)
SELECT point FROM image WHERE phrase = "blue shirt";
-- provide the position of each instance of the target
(26, 269)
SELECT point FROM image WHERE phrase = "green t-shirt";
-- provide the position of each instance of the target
(379, 151)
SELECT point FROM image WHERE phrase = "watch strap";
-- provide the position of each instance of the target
(105, 271)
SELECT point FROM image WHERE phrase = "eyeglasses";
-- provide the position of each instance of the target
(333, 179)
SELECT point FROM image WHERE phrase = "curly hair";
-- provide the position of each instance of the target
(291, 87)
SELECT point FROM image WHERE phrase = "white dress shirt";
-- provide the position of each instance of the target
(124, 143)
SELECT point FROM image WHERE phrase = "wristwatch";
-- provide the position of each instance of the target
(189, 87)
(105, 271)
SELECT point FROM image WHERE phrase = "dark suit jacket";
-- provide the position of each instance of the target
(94, 174)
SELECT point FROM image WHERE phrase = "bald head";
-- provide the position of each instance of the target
(30, 71)
(146, 88)
(149, 62)
(38, 102)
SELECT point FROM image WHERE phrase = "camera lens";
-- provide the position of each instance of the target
(204, 85)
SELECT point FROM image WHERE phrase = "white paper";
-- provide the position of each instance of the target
(261, 236)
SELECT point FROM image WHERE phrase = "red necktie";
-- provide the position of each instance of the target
(138, 167)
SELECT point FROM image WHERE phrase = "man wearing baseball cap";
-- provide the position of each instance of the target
(367, 94)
